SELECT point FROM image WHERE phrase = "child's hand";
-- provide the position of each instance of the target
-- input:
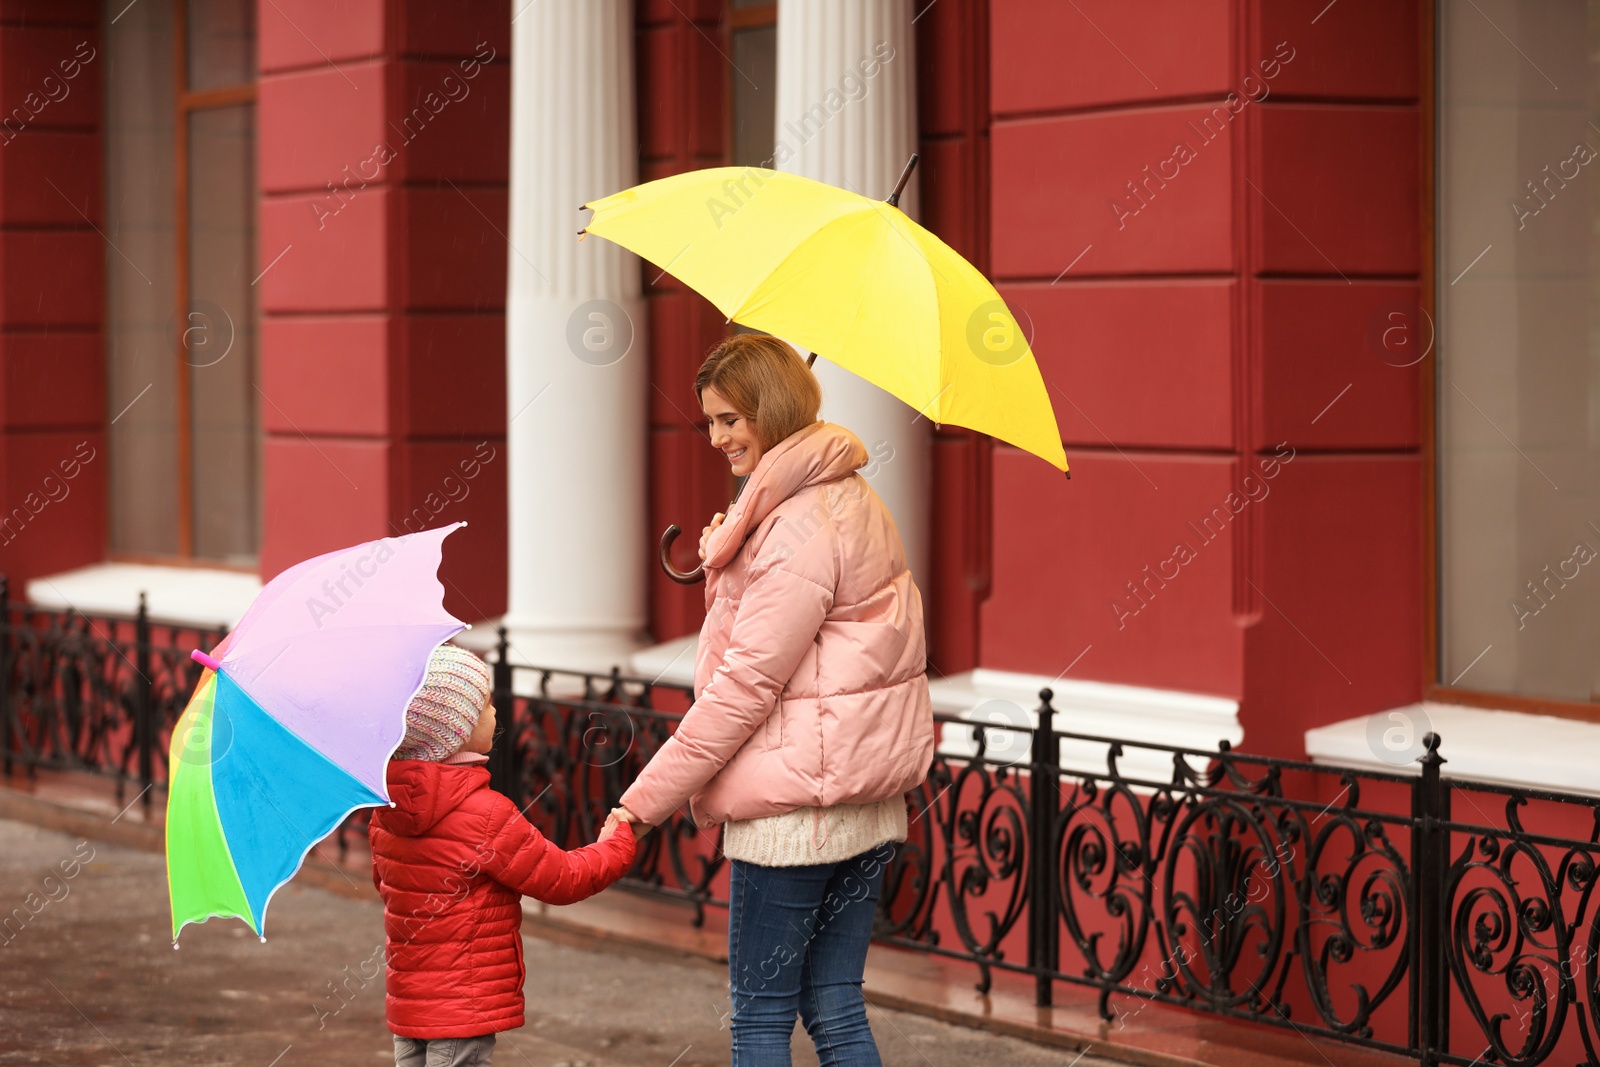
(706, 533)
(612, 822)
(621, 815)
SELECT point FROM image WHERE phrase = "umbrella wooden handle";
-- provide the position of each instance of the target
(681, 577)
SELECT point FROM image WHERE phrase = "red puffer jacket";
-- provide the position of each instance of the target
(452, 860)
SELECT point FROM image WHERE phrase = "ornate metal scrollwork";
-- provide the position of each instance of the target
(1275, 891)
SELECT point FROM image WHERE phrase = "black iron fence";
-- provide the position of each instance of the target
(1348, 905)
(1447, 920)
(94, 694)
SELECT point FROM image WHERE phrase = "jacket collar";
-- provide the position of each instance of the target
(822, 452)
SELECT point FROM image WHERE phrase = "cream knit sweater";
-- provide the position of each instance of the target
(815, 835)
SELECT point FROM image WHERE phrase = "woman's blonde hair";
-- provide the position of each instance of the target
(766, 381)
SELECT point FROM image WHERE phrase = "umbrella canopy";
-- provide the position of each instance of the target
(294, 720)
(852, 278)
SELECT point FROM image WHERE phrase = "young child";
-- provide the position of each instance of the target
(452, 860)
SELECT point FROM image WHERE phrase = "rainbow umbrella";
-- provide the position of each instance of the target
(294, 719)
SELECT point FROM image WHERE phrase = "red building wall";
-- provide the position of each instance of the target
(52, 289)
(1218, 321)
(683, 93)
(383, 188)
(952, 45)
(1200, 321)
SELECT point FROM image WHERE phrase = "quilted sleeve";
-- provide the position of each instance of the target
(778, 618)
(519, 857)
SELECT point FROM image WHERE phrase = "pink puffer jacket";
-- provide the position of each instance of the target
(811, 677)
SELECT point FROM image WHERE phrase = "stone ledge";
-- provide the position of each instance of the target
(197, 596)
(1098, 709)
(1504, 747)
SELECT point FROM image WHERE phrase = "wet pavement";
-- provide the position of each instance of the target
(88, 975)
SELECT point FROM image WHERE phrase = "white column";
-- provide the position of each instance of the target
(847, 116)
(575, 344)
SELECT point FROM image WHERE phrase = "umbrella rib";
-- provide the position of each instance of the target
(882, 207)
(737, 304)
(301, 862)
(313, 839)
(939, 373)
(942, 371)
(247, 690)
(790, 255)
(939, 368)
(222, 837)
(861, 302)
(863, 292)
(852, 214)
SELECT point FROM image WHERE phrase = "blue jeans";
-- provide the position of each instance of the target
(797, 945)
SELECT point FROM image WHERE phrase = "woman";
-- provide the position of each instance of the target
(812, 718)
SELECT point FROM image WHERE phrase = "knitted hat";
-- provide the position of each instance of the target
(445, 710)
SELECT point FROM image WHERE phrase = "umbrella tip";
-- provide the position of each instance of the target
(391, 803)
(263, 939)
(174, 944)
(1068, 474)
(893, 199)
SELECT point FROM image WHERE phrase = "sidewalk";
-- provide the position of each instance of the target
(91, 978)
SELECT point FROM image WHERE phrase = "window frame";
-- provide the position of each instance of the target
(735, 19)
(187, 101)
(1434, 688)
(753, 17)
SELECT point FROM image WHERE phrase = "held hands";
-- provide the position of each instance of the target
(716, 521)
(619, 816)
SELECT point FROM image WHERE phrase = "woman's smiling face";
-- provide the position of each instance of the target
(731, 433)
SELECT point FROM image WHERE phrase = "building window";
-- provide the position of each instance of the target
(182, 315)
(753, 35)
(1517, 382)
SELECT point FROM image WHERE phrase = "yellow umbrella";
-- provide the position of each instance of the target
(850, 277)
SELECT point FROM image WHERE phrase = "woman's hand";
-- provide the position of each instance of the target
(621, 814)
(706, 533)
